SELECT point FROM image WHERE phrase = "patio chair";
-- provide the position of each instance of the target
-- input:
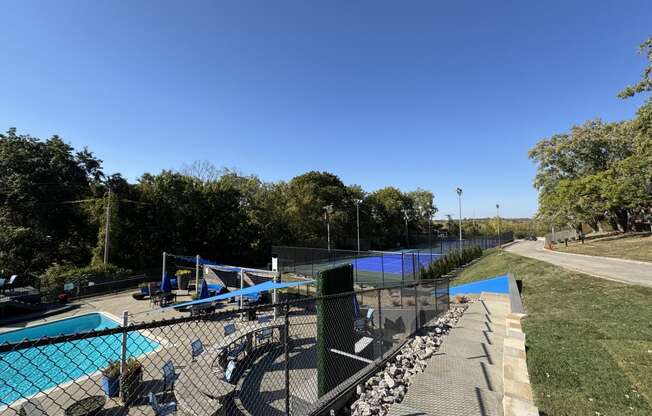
(362, 324)
(264, 319)
(196, 348)
(161, 410)
(32, 407)
(229, 371)
(266, 334)
(169, 375)
(229, 329)
(8, 284)
(241, 347)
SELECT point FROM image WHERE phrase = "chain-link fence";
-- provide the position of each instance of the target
(287, 358)
(376, 268)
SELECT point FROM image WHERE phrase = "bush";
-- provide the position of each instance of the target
(54, 278)
(451, 261)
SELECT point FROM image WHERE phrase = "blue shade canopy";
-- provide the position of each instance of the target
(203, 294)
(166, 284)
(251, 291)
(215, 287)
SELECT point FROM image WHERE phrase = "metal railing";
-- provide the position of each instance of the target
(288, 358)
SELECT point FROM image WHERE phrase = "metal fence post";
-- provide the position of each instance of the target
(286, 348)
(416, 308)
(380, 324)
(382, 267)
(123, 351)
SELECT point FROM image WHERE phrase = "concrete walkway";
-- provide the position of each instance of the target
(626, 271)
(465, 377)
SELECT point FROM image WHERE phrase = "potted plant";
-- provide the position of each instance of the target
(111, 379)
(131, 380)
(183, 279)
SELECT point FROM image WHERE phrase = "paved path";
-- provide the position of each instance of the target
(626, 271)
(465, 377)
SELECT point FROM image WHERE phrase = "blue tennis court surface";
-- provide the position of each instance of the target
(498, 284)
(394, 263)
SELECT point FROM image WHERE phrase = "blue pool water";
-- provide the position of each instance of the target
(26, 372)
(498, 284)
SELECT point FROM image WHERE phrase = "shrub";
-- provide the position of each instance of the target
(55, 276)
(451, 261)
(112, 370)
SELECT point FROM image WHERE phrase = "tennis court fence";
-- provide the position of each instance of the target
(376, 268)
(290, 358)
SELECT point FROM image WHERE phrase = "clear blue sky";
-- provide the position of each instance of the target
(422, 93)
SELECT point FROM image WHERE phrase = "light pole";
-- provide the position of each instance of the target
(329, 211)
(407, 235)
(107, 226)
(459, 198)
(498, 215)
(357, 219)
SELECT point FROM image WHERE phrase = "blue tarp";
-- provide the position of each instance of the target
(166, 284)
(250, 291)
(203, 294)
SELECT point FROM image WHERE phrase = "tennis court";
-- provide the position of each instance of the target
(370, 268)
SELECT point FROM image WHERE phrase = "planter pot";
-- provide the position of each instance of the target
(130, 386)
(111, 385)
(183, 282)
(138, 296)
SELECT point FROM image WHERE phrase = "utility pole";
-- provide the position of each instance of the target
(329, 211)
(459, 198)
(107, 227)
(357, 219)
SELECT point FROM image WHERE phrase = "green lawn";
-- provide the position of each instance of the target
(633, 247)
(589, 340)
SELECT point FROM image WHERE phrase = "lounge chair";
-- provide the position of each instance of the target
(266, 334)
(32, 407)
(228, 372)
(196, 349)
(4, 285)
(169, 375)
(161, 410)
(362, 324)
(229, 329)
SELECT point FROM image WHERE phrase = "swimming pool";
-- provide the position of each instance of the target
(28, 371)
(498, 284)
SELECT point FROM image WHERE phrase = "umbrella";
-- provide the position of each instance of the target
(166, 284)
(204, 290)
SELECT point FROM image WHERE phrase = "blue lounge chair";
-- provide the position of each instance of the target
(161, 410)
(196, 348)
(169, 375)
(229, 329)
(228, 372)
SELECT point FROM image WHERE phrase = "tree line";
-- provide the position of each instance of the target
(56, 205)
(600, 173)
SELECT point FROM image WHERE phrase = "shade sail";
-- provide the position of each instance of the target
(251, 291)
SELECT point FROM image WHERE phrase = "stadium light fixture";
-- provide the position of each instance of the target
(357, 219)
(459, 198)
(329, 210)
(407, 235)
(498, 216)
